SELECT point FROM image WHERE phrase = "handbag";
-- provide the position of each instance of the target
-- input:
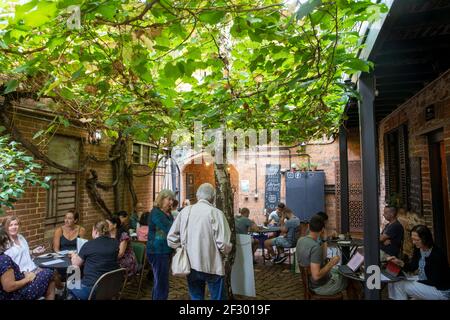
(180, 262)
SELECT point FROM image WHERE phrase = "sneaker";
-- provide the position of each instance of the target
(280, 260)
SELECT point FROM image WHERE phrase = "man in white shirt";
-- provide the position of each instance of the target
(274, 216)
(207, 238)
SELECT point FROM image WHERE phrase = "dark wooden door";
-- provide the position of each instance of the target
(439, 189)
(445, 197)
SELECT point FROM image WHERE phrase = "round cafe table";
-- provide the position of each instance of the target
(41, 263)
(359, 277)
(347, 247)
(261, 235)
(60, 267)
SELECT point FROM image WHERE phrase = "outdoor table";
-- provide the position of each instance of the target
(40, 262)
(61, 267)
(347, 247)
(261, 236)
(359, 276)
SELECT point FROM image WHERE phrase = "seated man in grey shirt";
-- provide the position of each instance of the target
(243, 225)
(289, 225)
(324, 280)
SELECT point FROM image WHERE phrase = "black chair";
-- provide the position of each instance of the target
(109, 286)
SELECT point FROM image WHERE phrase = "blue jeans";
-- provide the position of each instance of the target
(196, 283)
(160, 265)
(82, 293)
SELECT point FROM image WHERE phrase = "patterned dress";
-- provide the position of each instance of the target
(31, 291)
(128, 260)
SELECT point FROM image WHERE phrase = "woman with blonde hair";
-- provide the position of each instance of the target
(98, 256)
(158, 252)
(18, 250)
(17, 285)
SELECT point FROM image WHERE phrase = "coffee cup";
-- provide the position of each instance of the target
(342, 236)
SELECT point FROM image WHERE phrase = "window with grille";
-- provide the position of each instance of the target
(143, 154)
(397, 167)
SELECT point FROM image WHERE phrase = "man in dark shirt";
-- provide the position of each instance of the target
(392, 235)
(98, 256)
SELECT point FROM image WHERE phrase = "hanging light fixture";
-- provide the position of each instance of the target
(95, 137)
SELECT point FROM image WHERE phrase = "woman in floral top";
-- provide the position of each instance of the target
(17, 285)
(126, 257)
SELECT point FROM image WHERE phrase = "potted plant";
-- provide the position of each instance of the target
(304, 166)
(394, 200)
(313, 166)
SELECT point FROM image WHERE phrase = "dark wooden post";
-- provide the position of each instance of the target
(343, 165)
(367, 127)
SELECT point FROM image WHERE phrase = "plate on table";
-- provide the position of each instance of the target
(344, 242)
(64, 252)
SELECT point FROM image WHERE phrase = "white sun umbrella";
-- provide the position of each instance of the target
(168, 175)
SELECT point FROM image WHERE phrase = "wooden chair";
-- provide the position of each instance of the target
(309, 294)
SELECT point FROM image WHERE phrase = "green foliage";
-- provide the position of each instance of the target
(18, 170)
(395, 200)
(146, 69)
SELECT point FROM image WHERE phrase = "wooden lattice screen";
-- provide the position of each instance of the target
(61, 197)
(355, 196)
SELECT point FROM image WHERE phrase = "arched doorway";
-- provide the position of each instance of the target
(166, 176)
(193, 175)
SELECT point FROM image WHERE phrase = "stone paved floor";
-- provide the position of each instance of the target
(273, 282)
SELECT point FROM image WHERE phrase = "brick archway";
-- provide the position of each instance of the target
(193, 175)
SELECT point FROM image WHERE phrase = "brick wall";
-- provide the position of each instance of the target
(204, 173)
(324, 155)
(412, 113)
(32, 207)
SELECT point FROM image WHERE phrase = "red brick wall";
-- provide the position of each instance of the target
(412, 113)
(205, 174)
(324, 154)
(32, 207)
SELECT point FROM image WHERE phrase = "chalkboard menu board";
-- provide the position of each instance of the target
(415, 185)
(273, 186)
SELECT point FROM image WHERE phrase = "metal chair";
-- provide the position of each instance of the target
(311, 295)
(290, 251)
(139, 248)
(109, 286)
